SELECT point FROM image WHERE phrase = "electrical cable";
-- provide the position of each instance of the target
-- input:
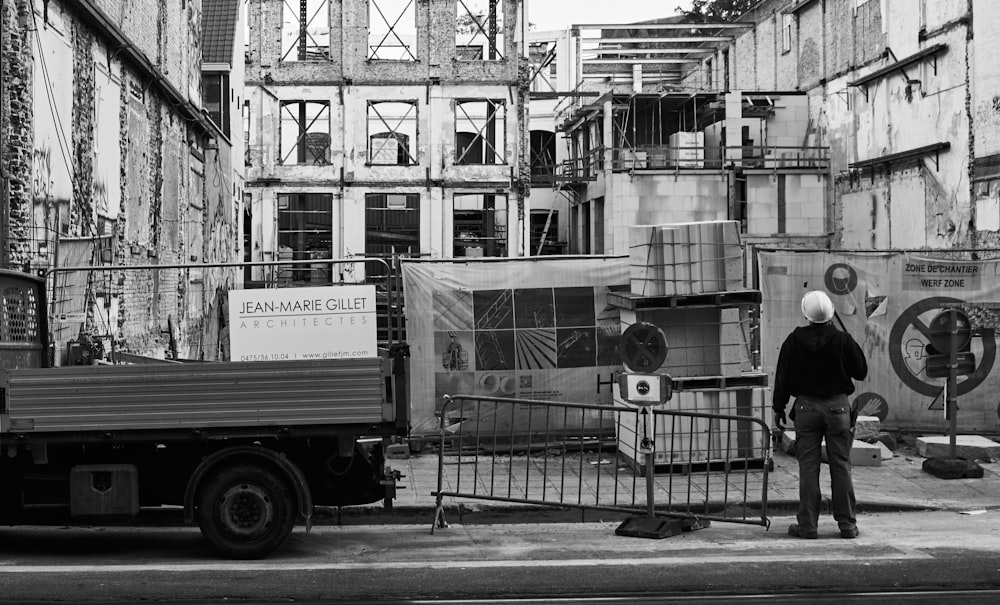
(53, 109)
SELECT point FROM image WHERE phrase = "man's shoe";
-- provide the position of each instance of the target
(796, 531)
(850, 533)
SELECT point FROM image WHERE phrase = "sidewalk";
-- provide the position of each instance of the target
(899, 484)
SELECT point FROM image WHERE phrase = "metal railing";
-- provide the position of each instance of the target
(706, 466)
(380, 272)
(773, 157)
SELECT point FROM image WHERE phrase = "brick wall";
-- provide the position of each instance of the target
(810, 37)
(82, 208)
(16, 135)
(161, 215)
(139, 20)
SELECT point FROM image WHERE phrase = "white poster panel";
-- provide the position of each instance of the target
(887, 302)
(331, 322)
(534, 328)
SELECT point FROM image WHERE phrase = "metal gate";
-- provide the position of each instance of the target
(707, 466)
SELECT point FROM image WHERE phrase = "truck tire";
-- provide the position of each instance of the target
(246, 512)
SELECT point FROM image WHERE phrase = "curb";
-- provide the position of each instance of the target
(490, 513)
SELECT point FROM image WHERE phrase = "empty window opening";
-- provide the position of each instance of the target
(392, 225)
(541, 56)
(480, 132)
(392, 30)
(305, 231)
(248, 243)
(392, 133)
(305, 30)
(245, 20)
(543, 153)
(598, 225)
(545, 233)
(725, 70)
(479, 30)
(786, 32)
(480, 224)
(305, 132)
(215, 92)
(247, 132)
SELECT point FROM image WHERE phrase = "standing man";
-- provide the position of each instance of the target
(816, 365)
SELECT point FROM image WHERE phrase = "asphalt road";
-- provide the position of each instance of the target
(930, 551)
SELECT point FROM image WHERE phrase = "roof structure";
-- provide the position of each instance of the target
(666, 49)
(218, 30)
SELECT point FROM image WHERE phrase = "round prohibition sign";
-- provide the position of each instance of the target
(910, 324)
(643, 347)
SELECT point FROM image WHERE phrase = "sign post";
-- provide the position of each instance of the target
(644, 349)
(951, 331)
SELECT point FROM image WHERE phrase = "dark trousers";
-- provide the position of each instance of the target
(816, 418)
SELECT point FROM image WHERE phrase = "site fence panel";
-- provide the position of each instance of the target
(706, 465)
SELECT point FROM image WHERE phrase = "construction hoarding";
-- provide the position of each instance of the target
(537, 328)
(887, 301)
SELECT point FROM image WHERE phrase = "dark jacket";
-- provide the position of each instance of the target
(817, 360)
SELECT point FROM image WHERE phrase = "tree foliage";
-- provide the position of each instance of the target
(717, 10)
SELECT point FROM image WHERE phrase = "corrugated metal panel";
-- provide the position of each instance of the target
(197, 395)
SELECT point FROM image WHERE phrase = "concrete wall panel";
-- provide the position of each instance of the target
(986, 78)
(865, 219)
(907, 211)
(52, 149)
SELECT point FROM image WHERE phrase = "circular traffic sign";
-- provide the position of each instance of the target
(942, 326)
(643, 347)
(910, 329)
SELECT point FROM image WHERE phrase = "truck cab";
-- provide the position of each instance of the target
(23, 321)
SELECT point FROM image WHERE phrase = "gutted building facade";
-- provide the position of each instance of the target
(851, 124)
(382, 127)
(904, 94)
(653, 129)
(108, 159)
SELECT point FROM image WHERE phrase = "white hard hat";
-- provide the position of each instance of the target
(817, 307)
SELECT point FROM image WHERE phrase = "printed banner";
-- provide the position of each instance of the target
(522, 328)
(331, 322)
(887, 301)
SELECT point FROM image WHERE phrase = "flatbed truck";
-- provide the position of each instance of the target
(248, 449)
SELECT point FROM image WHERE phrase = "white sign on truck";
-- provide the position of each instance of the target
(332, 322)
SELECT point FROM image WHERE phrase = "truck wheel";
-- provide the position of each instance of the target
(246, 512)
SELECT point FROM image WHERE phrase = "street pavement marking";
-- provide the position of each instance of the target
(307, 566)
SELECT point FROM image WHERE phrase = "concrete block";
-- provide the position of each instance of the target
(796, 225)
(867, 428)
(787, 443)
(812, 209)
(866, 454)
(862, 454)
(886, 452)
(816, 226)
(399, 451)
(969, 447)
(887, 440)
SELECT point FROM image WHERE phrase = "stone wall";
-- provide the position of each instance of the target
(16, 133)
(133, 166)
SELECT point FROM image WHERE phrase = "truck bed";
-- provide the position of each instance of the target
(190, 395)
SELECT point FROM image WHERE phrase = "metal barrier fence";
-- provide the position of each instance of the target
(708, 466)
